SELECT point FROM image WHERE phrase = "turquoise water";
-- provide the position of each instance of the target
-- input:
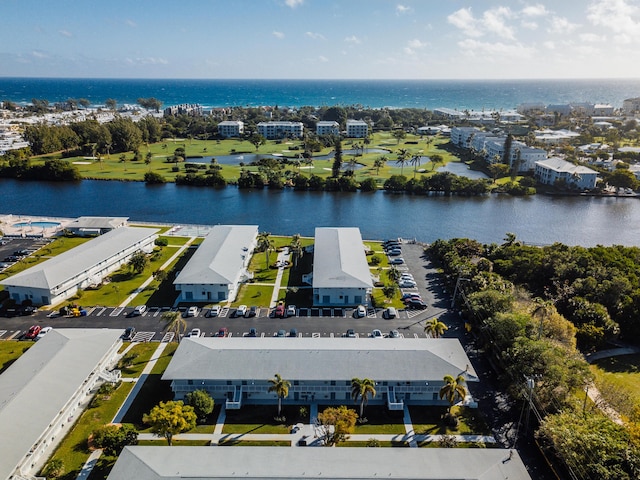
(37, 224)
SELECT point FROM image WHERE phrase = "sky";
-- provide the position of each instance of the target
(320, 39)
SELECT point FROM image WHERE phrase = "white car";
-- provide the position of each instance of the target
(376, 334)
(43, 332)
(195, 332)
(407, 276)
(215, 311)
(241, 311)
(361, 311)
(291, 311)
(396, 261)
(407, 284)
(139, 310)
(192, 311)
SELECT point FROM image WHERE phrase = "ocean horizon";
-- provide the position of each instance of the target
(425, 94)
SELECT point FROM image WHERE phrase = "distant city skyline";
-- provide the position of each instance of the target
(321, 39)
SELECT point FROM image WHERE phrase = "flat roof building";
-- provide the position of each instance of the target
(556, 169)
(218, 265)
(274, 130)
(357, 129)
(258, 463)
(235, 371)
(88, 264)
(231, 128)
(341, 274)
(41, 393)
(325, 127)
(88, 226)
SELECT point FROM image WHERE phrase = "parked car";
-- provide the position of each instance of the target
(195, 332)
(139, 310)
(394, 334)
(281, 334)
(394, 253)
(33, 332)
(291, 311)
(129, 333)
(376, 333)
(390, 312)
(28, 310)
(361, 311)
(406, 296)
(410, 299)
(279, 311)
(240, 311)
(43, 332)
(407, 276)
(214, 312)
(396, 261)
(223, 332)
(416, 304)
(192, 311)
(293, 332)
(252, 312)
(252, 332)
(350, 333)
(407, 284)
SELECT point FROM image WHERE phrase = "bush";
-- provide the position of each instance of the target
(154, 177)
(162, 241)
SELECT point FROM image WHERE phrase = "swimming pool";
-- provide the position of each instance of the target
(37, 224)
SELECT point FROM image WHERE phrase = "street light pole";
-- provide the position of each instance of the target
(530, 385)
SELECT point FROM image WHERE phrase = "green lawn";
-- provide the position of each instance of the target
(10, 351)
(259, 419)
(176, 443)
(428, 421)
(140, 355)
(621, 375)
(254, 443)
(258, 295)
(384, 443)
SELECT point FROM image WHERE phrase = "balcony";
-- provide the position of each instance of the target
(236, 403)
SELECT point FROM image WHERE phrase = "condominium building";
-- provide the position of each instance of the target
(327, 128)
(357, 129)
(230, 128)
(276, 130)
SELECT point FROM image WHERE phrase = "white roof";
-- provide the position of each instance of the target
(38, 385)
(80, 259)
(220, 256)
(187, 463)
(339, 260)
(98, 222)
(318, 359)
(559, 165)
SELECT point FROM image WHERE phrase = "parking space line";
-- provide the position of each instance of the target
(116, 312)
(143, 336)
(168, 337)
(102, 310)
(2, 332)
(15, 334)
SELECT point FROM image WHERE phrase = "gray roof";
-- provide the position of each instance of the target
(74, 262)
(222, 463)
(306, 358)
(97, 222)
(560, 165)
(37, 386)
(339, 260)
(220, 256)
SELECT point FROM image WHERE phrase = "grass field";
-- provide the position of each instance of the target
(138, 357)
(259, 419)
(618, 379)
(10, 351)
(428, 421)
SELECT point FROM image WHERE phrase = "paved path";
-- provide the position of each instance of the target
(141, 288)
(89, 464)
(139, 383)
(283, 256)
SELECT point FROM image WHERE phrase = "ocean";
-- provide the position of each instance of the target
(427, 94)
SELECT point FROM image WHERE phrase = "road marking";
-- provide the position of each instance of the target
(15, 334)
(230, 334)
(143, 336)
(331, 334)
(102, 310)
(315, 335)
(90, 311)
(413, 313)
(224, 312)
(116, 312)
(2, 332)
(415, 335)
(168, 337)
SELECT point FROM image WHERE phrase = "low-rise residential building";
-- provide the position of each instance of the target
(60, 277)
(91, 226)
(43, 393)
(449, 113)
(341, 275)
(276, 130)
(631, 105)
(460, 136)
(555, 137)
(326, 127)
(193, 109)
(257, 463)
(231, 128)
(357, 129)
(555, 169)
(218, 265)
(236, 371)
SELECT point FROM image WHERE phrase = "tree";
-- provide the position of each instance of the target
(399, 134)
(150, 103)
(138, 262)
(435, 328)
(393, 273)
(174, 323)
(453, 390)
(265, 244)
(125, 134)
(170, 418)
(361, 389)
(54, 468)
(113, 438)
(337, 158)
(281, 388)
(256, 140)
(147, 158)
(201, 402)
(403, 158)
(415, 161)
(389, 290)
(336, 423)
(296, 248)
(160, 275)
(378, 163)
(111, 104)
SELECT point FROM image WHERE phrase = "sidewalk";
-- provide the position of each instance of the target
(283, 257)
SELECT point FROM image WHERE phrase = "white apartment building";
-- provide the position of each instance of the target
(554, 169)
(631, 105)
(357, 129)
(231, 128)
(326, 127)
(460, 135)
(275, 130)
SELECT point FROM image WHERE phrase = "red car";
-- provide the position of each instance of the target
(280, 311)
(33, 332)
(223, 332)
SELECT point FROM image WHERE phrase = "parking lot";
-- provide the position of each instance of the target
(13, 249)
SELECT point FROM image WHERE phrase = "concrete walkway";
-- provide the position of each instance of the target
(141, 288)
(89, 464)
(283, 257)
(139, 383)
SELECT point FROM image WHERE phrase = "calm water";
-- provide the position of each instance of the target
(539, 219)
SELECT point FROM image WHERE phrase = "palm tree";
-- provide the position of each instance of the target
(265, 244)
(378, 163)
(393, 273)
(453, 390)
(361, 389)
(174, 323)
(281, 389)
(403, 158)
(415, 161)
(435, 328)
(543, 309)
(296, 248)
(435, 160)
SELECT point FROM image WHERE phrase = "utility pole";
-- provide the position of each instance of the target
(530, 385)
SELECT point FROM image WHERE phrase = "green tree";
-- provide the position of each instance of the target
(138, 262)
(280, 387)
(393, 274)
(154, 178)
(174, 323)
(337, 158)
(335, 424)
(113, 438)
(378, 163)
(150, 103)
(54, 468)
(201, 402)
(435, 328)
(435, 161)
(257, 140)
(111, 104)
(453, 389)
(125, 134)
(399, 134)
(265, 244)
(170, 418)
(390, 290)
(403, 159)
(160, 275)
(361, 389)
(296, 248)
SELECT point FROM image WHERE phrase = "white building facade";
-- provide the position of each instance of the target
(231, 128)
(556, 169)
(327, 128)
(357, 129)
(276, 130)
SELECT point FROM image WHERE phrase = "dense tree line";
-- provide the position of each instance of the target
(52, 170)
(445, 183)
(513, 297)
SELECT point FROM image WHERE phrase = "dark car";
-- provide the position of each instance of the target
(252, 333)
(293, 332)
(129, 333)
(28, 310)
(252, 312)
(280, 311)
(417, 304)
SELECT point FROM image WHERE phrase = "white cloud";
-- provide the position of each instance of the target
(620, 16)
(353, 39)
(402, 9)
(561, 25)
(131, 23)
(146, 61)
(65, 33)
(529, 25)
(277, 34)
(474, 47)
(494, 19)
(537, 10)
(465, 21)
(293, 3)
(550, 45)
(323, 59)
(315, 36)
(592, 37)
(415, 43)
(39, 54)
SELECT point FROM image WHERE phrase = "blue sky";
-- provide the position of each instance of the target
(316, 39)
